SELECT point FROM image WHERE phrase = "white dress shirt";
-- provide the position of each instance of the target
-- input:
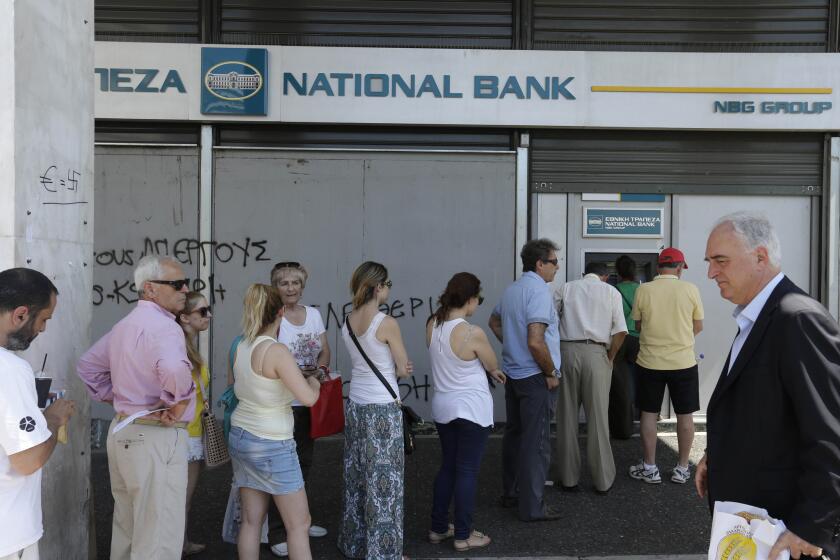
(746, 316)
(591, 310)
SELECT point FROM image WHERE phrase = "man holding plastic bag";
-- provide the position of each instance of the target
(774, 418)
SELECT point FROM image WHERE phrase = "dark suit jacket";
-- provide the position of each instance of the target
(774, 421)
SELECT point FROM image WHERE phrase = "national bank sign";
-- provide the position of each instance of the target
(234, 81)
(464, 87)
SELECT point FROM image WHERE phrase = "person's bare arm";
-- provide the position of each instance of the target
(389, 333)
(615, 345)
(639, 326)
(325, 355)
(540, 352)
(495, 324)
(280, 364)
(479, 344)
(30, 460)
(698, 326)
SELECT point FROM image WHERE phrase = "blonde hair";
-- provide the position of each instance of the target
(364, 281)
(192, 349)
(279, 273)
(262, 303)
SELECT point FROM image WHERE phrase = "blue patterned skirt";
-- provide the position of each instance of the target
(372, 513)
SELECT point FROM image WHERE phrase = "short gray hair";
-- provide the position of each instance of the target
(755, 230)
(148, 268)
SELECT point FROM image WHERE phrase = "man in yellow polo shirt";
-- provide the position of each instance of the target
(668, 314)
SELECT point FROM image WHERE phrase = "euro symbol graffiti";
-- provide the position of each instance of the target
(46, 180)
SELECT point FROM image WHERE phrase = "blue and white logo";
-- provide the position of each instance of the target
(234, 81)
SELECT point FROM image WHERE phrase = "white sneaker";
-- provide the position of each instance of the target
(280, 549)
(317, 531)
(650, 476)
(681, 475)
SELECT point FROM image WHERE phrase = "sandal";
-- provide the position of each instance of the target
(192, 548)
(476, 540)
(437, 538)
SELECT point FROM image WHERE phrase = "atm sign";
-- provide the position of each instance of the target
(622, 222)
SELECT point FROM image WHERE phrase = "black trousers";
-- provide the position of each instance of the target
(526, 445)
(623, 390)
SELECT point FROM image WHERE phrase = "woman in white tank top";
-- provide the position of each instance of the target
(373, 441)
(462, 407)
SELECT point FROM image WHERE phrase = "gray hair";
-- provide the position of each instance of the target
(755, 230)
(148, 268)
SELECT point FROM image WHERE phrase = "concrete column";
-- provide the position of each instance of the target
(46, 220)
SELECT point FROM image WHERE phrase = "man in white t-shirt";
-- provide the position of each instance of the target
(27, 436)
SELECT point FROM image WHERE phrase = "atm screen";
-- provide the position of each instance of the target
(645, 264)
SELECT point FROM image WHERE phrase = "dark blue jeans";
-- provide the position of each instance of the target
(462, 444)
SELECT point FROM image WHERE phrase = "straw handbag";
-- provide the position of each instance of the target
(215, 446)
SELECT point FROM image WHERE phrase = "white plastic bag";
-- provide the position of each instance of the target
(742, 532)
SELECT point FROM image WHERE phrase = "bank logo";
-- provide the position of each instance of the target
(234, 81)
(595, 221)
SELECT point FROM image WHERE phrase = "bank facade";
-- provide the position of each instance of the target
(437, 137)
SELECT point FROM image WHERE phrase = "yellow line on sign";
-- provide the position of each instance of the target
(668, 89)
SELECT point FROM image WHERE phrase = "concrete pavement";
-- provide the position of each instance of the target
(634, 520)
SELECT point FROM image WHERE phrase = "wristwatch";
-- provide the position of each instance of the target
(553, 373)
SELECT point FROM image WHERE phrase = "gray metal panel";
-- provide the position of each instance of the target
(146, 200)
(676, 162)
(367, 137)
(134, 132)
(369, 23)
(666, 25)
(425, 216)
(154, 21)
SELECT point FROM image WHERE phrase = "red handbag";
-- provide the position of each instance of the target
(328, 411)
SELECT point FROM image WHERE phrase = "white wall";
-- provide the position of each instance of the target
(46, 220)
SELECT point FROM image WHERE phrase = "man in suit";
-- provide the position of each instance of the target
(774, 417)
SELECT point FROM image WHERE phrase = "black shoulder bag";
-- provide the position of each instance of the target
(410, 418)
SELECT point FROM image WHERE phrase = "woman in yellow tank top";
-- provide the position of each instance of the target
(194, 319)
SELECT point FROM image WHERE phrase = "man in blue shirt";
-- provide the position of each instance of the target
(525, 322)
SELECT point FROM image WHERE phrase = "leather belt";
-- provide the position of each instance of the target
(587, 341)
(152, 422)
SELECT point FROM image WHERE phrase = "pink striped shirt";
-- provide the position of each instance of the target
(141, 361)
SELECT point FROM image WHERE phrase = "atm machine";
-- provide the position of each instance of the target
(645, 264)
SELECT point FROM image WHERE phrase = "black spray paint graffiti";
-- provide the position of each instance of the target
(187, 251)
(397, 309)
(124, 292)
(408, 388)
(53, 181)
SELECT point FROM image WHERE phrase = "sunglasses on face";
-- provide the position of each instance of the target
(552, 261)
(203, 311)
(387, 283)
(177, 285)
(480, 299)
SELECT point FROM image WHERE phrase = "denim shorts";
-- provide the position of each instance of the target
(267, 465)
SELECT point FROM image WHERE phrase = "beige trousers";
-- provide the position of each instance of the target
(148, 467)
(587, 374)
(28, 553)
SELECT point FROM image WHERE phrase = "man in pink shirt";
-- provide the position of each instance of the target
(142, 365)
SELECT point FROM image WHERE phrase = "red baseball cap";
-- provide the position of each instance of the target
(672, 255)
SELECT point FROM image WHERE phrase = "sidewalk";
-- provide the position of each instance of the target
(634, 520)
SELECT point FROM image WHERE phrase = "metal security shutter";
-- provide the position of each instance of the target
(365, 137)
(673, 25)
(154, 21)
(369, 23)
(121, 132)
(676, 162)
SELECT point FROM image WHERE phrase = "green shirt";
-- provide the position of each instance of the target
(628, 294)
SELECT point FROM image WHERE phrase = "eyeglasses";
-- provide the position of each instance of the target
(204, 311)
(387, 283)
(177, 285)
(286, 264)
(552, 261)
